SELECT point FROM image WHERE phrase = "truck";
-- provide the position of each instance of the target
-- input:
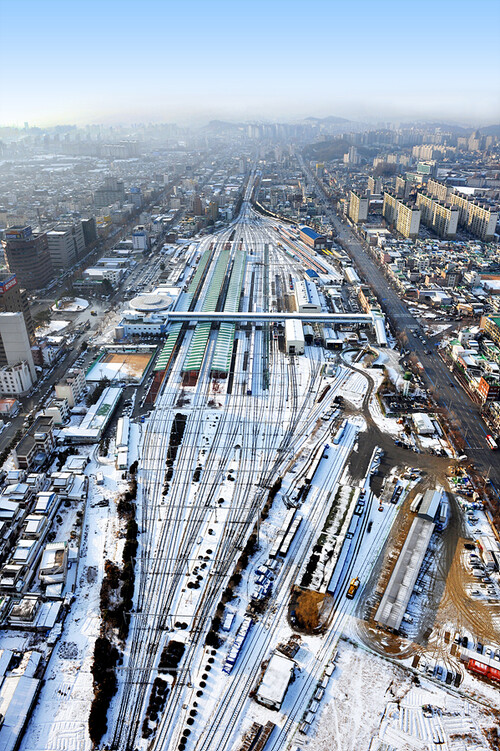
(491, 442)
(352, 588)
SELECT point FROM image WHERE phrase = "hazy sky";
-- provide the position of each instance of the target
(81, 61)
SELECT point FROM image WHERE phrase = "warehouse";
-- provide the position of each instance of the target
(275, 681)
(294, 336)
(312, 238)
(397, 594)
(351, 275)
(306, 296)
(423, 424)
(430, 504)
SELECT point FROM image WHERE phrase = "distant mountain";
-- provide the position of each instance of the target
(325, 151)
(330, 120)
(490, 130)
(332, 148)
(222, 125)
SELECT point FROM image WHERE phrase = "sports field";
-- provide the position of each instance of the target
(120, 366)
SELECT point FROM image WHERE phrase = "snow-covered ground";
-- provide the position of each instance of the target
(52, 327)
(60, 719)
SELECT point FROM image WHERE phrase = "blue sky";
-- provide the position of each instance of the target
(80, 61)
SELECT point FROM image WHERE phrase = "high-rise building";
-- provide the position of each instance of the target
(403, 187)
(358, 207)
(15, 350)
(375, 185)
(352, 156)
(197, 206)
(66, 245)
(140, 238)
(13, 299)
(27, 256)
(89, 227)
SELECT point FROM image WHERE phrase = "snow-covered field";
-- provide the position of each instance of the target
(52, 327)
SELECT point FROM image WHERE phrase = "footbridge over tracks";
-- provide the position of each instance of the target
(376, 320)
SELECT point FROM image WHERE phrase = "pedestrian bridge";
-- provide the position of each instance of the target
(377, 320)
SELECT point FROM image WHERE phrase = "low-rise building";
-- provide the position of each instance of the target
(54, 563)
(72, 387)
(275, 681)
(58, 409)
(37, 444)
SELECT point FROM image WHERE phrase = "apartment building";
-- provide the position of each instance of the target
(403, 215)
(438, 216)
(72, 387)
(358, 207)
(438, 189)
(408, 220)
(390, 207)
(479, 219)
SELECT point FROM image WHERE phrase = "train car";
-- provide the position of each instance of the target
(308, 333)
(443, 515)
(287, 541)
(415, 504)
(236, 647)
(273, 553)
(352, 527)
(340, 432)
(315, 463)
(250, 364)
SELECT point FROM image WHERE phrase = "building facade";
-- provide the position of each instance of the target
(13, 299)
(15, 346)
(66, 245)
(358, 207)
(438, 216)
(27, 256)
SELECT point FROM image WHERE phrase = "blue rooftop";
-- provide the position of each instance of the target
(310, 233)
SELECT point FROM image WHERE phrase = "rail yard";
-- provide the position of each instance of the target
(283, 520)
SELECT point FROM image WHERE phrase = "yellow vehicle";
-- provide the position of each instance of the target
(352, 589)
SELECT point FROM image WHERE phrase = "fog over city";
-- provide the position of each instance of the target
(249, 375)
(197, 61)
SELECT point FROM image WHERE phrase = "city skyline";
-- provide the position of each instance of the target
(117, 62)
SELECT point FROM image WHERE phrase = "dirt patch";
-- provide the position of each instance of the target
(309, 610)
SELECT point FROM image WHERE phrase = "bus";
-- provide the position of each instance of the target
(491, 442)
(352, 589)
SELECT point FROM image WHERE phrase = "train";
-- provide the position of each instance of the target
(340, 432)
(285, 536)
(487, 671)
(250, 364)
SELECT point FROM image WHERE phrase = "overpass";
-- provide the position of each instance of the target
(376, 320)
